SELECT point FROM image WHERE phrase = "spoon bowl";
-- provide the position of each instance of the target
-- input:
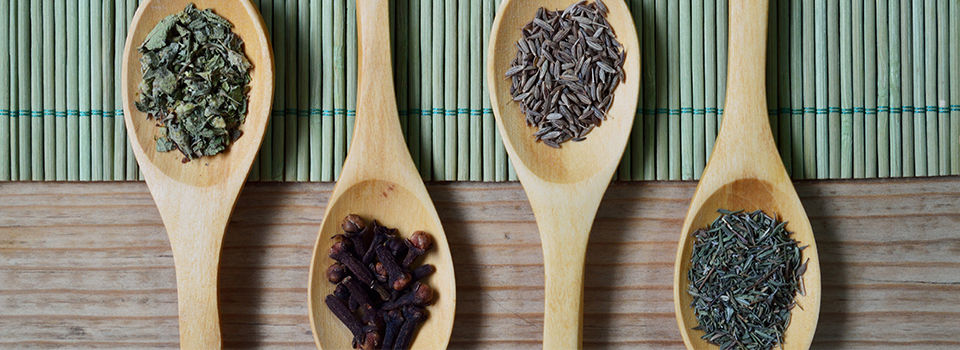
(564, 185)
(195, 199)
(745, 172)
(379, 181)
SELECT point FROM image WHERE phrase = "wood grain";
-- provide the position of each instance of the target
(88, 265)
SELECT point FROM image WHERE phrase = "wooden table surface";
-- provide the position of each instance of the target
(87, 265)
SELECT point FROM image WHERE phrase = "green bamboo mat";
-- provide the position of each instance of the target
(856, 88)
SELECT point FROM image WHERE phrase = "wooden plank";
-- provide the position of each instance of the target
(88, 266)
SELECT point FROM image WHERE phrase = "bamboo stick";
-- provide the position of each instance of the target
(315, 119)
(291, 95)
(954, 41)
(463, 90)
(450, 91)
(85, 93)
(906, 92)
(436, 88)
(119, 130)
(96, 92)
(919, 91)
(833, 88)
(699, 134)
(870, 54)
(490, 133)
(797, 79)
(305, 63)
(858, 101)
(48, 86)
(721, 59)
(943, 90)
(351, 71)
(14, 126)
(896, 111)
(822, 137)
(327, 102)
(930, 88)
(846, 90)
(339, 87)
(35, 137)
(107, 75)
(426, 89)
(633, 153)
(884, 91)
(402, 63)
(674, 47)
(5, 85)
(476, 48)
(72, 91)
(662, 113)
(23, 79)
(686, 93)
(647, 60)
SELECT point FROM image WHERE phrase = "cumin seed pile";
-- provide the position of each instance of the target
(567, 66)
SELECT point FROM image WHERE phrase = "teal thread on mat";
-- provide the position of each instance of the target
(315, 111)
(796, 111)
(686, 109)
(699, 111)
(943, 110)
(303, 112)
(290, 111)
(833, 109)
(326, 113)
(648, 111)
(463, 111)
(821, 111)
(955, 108)
(4, 112)
(96, 112)
(73, 112)
(84, 113)
(451, 112)
(907, 109)
(276, 113)
(339, 111)
(662, 111)
(425, 113)
(859, 110)
(883, 109)
(488, 111)
(896, 110)
(118, 112)
(870, 111)
(673, 111)
(720, 111)
(846, 111)
(351, 113)
(476, 112)
(107, 113)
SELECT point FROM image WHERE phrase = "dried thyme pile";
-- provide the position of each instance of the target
(380, 297)
(744, 274)
(195, 82)
(567, 66)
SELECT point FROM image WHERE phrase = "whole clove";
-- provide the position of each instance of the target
(414, 317)
(394, 320)
(421, 295)
(418, 244)
(423, 271)
(336, 273)
(379, 296)
(398, 277)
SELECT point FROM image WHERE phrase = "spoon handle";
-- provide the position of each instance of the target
(195, 227)
(197, 273)
(564, 224)
(746, 122)
(378, 149)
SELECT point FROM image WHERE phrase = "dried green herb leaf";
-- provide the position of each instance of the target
(195, 82)
(745, 271)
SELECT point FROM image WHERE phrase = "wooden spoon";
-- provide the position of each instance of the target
(564, 185)
(379, 181)
(195, 199)
(745, 172)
